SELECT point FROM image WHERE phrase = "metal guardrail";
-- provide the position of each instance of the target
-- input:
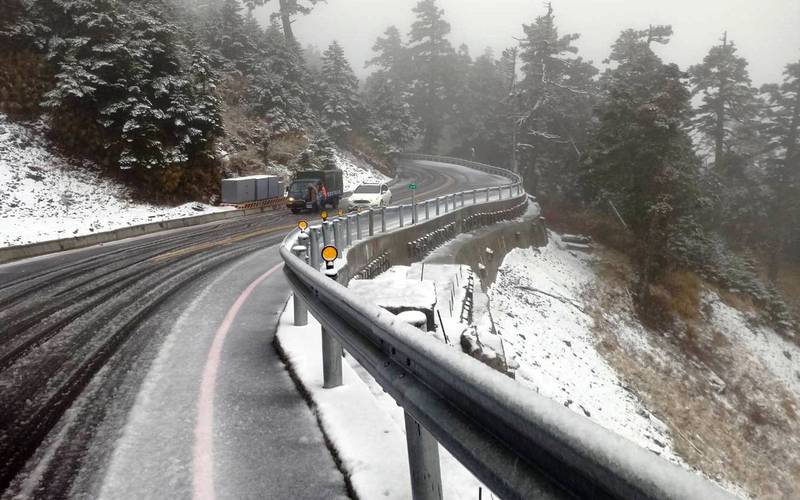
(518, 443)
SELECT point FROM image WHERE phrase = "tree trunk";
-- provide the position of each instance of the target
(719, 132)
(719, 136)
(774, 264)
(286, 20)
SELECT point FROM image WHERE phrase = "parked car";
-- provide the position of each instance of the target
(370, 195)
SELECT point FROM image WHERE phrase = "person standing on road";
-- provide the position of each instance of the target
(311, 194)
(323, 196)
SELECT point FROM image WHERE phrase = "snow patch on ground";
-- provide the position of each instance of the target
(44, 197)
(776, 355)
(356, 172)
(364, 423)
(539, 312)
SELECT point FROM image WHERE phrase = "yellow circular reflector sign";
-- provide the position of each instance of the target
(341, 213)
(303, 225)
(330, 253)
(324, 215)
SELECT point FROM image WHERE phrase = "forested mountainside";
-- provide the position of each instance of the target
(684, 169)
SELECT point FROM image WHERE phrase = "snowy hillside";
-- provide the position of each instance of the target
(44, 197)
(718, 393)
(355, 172)
(543, 288)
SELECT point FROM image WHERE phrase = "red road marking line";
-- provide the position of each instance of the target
(203, 453)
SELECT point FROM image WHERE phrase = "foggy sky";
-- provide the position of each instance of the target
(766, 32)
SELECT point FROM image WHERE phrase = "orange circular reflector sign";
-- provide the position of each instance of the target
(303, 225)
(330, 253)
(324, 215)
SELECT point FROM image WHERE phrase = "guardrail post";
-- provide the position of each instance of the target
(423, 462)
(511, 191)
(427, 209)
(300, 309)
(337, 234)
(423, 459)
(331, 353)
(487, 194)
(331, 361)
(400, 211)
(358, 226)
(326, 233)
(371, 222)
(347, 237)
(383, 219)
(315, 257)
(474, 196)
(304, 240)
(462, 198)
(438, 200)
(500, 193)
(446, 203)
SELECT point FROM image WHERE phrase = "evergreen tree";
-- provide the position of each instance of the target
(431, 54)
(554, 108)
(25, 75)
(393, 60)
(783, 126)
(641, 157)
(391, 121)
(481, 125)
(122, 90)
(387, 94)
(341, 109)
(278, 91)
(226, 34)
(288, 10)
(728, 100)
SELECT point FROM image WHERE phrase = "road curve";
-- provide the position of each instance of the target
(145, 368)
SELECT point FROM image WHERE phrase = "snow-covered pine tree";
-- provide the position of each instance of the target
(393, 59)
(387, 94)
(25, 76)
(279, 85)
(431, 55)
(729, 102)
(226, 35)
(783, 127)
(391, 121)
(481, 112)
(726, 124)
(553, 108)
(641, 156)
(123, 91)
(341, 109)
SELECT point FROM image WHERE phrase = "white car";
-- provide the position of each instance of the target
(370, 195)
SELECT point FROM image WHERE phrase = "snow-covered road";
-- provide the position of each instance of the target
(107, 347)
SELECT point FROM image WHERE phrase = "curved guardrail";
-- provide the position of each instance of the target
(518, 443)
(489, 169)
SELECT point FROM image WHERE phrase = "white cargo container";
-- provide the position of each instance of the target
(249, 189)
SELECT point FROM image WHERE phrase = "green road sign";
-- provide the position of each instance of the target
(412, 187)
